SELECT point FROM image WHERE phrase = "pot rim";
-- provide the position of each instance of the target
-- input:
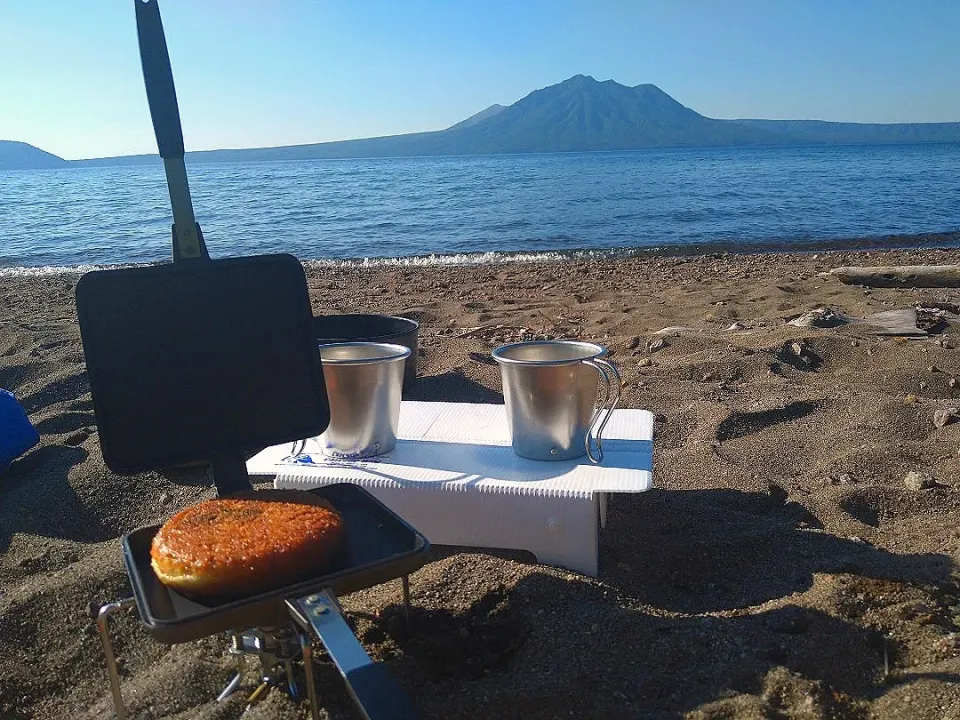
(397, 352)
(596, 351)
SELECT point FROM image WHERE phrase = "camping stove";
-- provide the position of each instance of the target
(283, 653)
(276, 628)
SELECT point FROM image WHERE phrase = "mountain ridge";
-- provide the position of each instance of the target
(580, 114)
(16, 155)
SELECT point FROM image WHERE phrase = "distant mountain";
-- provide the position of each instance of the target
(21, 156)
(581, 114)
(480, 116)
(577, 115)
(820, 132)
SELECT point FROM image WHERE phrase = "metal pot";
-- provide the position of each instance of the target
(550, 390)
(372, 328)
(364, 385)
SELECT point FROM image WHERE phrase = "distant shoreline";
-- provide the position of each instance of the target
(198, 156)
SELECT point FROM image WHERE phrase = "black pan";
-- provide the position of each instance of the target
(373, 328)
(379, 546)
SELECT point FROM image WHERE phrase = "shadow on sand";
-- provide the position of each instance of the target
(452, 387)
(639, 643)
(36, 498)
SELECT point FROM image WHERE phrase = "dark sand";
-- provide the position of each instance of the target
(778, 562)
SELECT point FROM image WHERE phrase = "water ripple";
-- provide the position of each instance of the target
(420, 210)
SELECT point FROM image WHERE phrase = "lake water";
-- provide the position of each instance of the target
(474, 206)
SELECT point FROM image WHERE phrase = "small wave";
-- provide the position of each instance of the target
(48, 270)
(484, 258)
(945, 239)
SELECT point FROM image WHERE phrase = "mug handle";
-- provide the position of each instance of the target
(611, 389)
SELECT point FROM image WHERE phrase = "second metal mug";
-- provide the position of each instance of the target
(550, 390)
(364, 381)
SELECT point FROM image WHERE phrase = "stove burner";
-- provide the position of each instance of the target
(283, 650)
(277, 649)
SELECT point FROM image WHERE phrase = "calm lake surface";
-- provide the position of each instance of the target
(474, 206)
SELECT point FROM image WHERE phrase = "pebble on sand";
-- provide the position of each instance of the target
(945, 416)
(919, 480)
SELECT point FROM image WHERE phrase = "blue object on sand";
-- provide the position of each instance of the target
(17, 435)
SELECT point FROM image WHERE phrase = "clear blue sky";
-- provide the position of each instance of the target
(271, 72)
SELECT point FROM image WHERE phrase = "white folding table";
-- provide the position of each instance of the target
(455, 477)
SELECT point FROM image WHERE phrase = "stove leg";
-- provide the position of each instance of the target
(103, 618)
(230, 688)
(291, 681)
(406, 598)
(307, 651)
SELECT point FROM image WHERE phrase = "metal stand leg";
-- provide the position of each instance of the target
(307, 651)
(103, 617)
(406, 598)
(230, 688)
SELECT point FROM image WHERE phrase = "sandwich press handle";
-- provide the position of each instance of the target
(162, 97)
(376, 693)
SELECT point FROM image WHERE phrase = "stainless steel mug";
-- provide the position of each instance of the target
(364, 382)
(550, 389)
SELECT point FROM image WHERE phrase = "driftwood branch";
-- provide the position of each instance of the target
(481, 330)
(906, 276)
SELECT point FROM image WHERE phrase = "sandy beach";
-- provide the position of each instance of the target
(782, 568)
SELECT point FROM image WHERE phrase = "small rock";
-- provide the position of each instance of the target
(910, 399)
(736, 326)
(846, 479)
(854, 343)
(164, 498)
(658, 344)
(923, 385)
(822, 317)
(933, 369)
(797, 349)
(952, 382)
(919, 480)
(708, 377)
(645, 362)
(634, 343)
(76, 438)
(944, 416)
